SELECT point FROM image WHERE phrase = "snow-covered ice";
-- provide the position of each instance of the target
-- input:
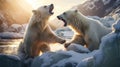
(77, 48)
(60, 58)
(106, 21)
(13, 31)
(15, 28)
(10, 35)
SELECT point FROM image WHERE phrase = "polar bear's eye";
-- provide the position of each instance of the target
(45, 6)
(64, 13)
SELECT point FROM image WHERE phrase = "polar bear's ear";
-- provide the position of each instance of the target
(34, 11)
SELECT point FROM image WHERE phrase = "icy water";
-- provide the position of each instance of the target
(10, 46)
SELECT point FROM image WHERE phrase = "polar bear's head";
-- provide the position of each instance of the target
(68, 17)
(44, 11)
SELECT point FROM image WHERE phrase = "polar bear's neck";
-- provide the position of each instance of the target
(38, 22)
(79, 24)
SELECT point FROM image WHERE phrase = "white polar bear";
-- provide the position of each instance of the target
(87, 31)
(39, 34)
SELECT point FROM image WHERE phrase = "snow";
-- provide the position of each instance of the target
(65, 32)
(4, 26)
(117, 25)
(24, 26)
(14, 31)
(60, 58)
(78, 48)
(14, 28)
(17, 28)
(10, 61)
(9, 35)
(116, 16)
(106, 21)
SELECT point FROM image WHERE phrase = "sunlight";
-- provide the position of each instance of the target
(9, 46)
(56, 47)
(60, 5)
(33, 3)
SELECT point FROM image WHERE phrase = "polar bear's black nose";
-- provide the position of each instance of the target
(51, 4)
(59, 17)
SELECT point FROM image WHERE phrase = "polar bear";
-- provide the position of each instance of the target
(88, 31)
(38, 33)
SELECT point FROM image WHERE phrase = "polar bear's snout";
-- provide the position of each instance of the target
(59, 17)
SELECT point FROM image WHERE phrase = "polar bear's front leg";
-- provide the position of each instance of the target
(44, 48)
(36, 48)
(52, 37)
(92, 42)
(78, 39)
(55, 39)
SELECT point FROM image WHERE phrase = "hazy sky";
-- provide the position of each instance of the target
(60, 5)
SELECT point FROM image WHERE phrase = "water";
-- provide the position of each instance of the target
(9, 46)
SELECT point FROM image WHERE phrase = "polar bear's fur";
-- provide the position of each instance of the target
(87, 31)
(38, 34)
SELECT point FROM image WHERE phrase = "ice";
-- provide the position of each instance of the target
(106, 21)
(78, 48)
(13, 31)
(60, 58)
(116, 16)
(17, 28)
(10, 35)
(65, 32)
(117, 26)
(10, 61)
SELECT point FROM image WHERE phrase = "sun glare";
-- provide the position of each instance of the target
(34, 3)
(60, 5)
(56, 47)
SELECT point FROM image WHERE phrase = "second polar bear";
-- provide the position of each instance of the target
(38, 34)
(87, 31)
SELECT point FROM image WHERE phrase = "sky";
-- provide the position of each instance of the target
(60, 5)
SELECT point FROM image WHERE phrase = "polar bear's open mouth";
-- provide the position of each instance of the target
(51, 9)
(60, 18)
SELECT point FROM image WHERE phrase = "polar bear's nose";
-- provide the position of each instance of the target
(51, 4)
(59, 17)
